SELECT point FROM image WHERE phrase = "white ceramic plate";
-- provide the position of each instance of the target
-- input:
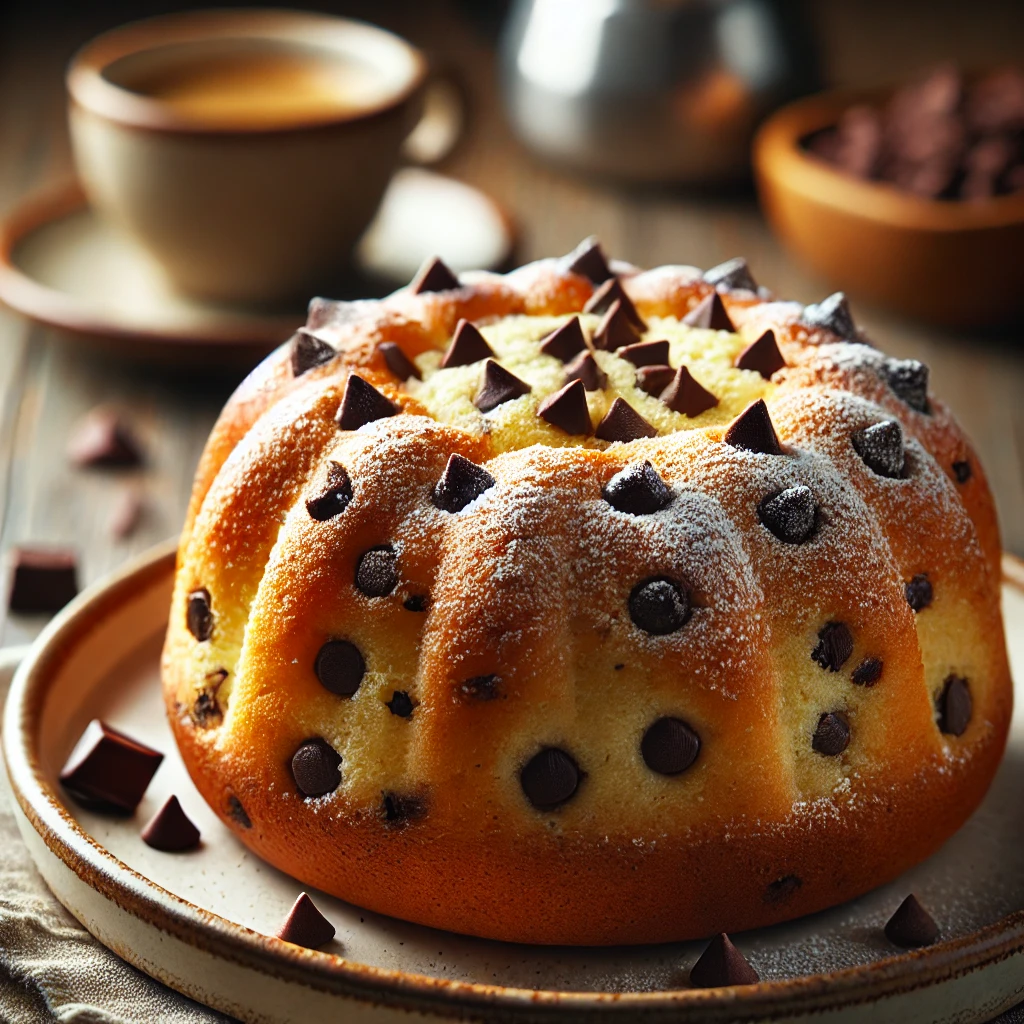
(203, 922)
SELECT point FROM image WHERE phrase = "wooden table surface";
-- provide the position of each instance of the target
(47, 382)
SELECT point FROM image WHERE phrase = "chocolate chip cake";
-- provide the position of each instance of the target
(589, 605)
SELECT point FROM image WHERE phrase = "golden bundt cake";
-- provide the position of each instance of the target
(588, 605)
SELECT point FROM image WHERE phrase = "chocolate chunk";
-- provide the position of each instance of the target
(834, 647)
(722, 964)
(637, 490)
(791, 514)
(762, 356)
(199, 614)
(615, 330)
(588, 260)
(377, 571)
(362, 403)
(669, 746)
(684, 395)
(584, 367)
(623, 423)
(780, 890)
(859, 141)
(340, 667)
(481, 687)
(753, 431)
(730, 275)
(433, 276)
(399, 809)
(911, 926)
(398, 362)
(316, 768)
(332, 495)
(868, 672)
(126, 514)
(170, 829)
(307, 351)
(109, 771)
(236, 812)
(962, 471)
(566, 341)
(607, 295)
(416, 603)
(881, 448)
(659, 605)
(206, 711)
(42, 580)
(567, 409)
(710, 314)
(645, 353)
(468, 346)
(549, 778)
(955, 706)
(832, 736)
(995, 103)
(305, 925)
(102, 438)
(919, 592)
(400, 704)
(833, 314)
(908, 378)
(654, 379)
(461, 483)
(498, 387)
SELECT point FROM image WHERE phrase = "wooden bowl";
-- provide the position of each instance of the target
(951, 262)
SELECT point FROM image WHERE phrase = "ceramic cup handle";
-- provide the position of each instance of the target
(443, 122)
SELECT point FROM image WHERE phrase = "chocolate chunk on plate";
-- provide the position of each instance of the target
(103, 438)
(722, 964)
(42, 579)
(170, 829)
(305, 925)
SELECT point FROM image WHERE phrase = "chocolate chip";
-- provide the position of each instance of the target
(481, 687)
(684, 395)
(834, 647)
(170, 829)
(332, 495)
(911, 926)
(307, 351)
(659, 605)
(102, 438)
(584, 367)
(377, 571)
(833, 314)
(623, 423)
(433, 276)
(236, 812)
(762, 356)
(498, 387)
(109, 771)
(416, 603)
(753, 431)
(461, 483)
(362, 403)
(566, 341)
(731, 274)
(669, 746)
(710, 314)
(400, 704)
(340, 667)
(832, 736)
(567, 409)
(305, 925)
(868, 672)
(588, 260)
(42, 580)
(908, 378)
(881, 448)
(468, 346)
(206, 711)
(722, 964)
(549, 778)
(955, 706)
(791, 515)
(615, 330)
(637, 490)
(199, 614)
(645, 353)
(316, 768)
(919, 592)
(654, 379)
(607, 295)
(399, 809)
(780, 890)
(962, 471)
(398, 362)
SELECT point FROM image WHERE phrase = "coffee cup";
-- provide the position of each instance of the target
(246, 150)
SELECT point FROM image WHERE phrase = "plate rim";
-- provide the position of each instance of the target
(142, 898)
